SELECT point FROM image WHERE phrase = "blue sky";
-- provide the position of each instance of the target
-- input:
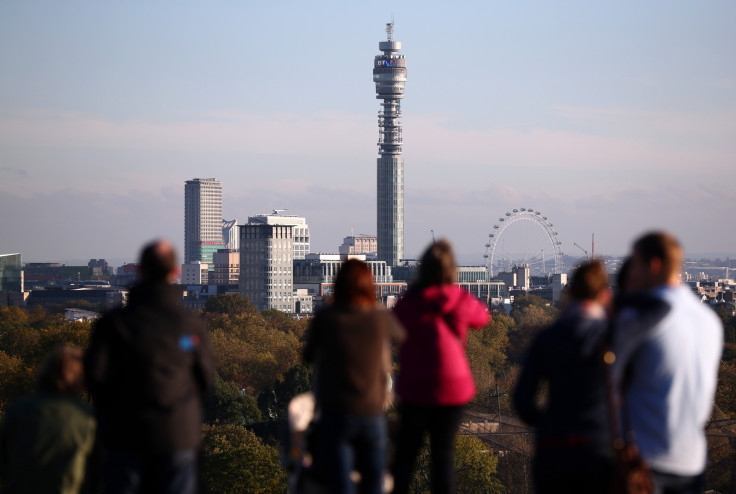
(609, 117)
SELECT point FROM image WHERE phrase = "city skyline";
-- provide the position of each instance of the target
(612, 119)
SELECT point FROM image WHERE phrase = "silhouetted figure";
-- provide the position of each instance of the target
(348, 342)
(668, 366)
(434, 382)
(47, 438)
(573, 442)
(148, 366)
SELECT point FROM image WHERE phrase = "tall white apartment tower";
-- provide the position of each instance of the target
(202, 219)
(389, 74)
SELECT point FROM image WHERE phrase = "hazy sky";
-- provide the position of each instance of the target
(609, 117)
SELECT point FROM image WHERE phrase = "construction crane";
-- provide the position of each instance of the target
(586, 252)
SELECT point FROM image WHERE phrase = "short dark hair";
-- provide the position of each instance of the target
(588, 280)
(354, 284)
(157, 261)
(662, 246)
(437, 266)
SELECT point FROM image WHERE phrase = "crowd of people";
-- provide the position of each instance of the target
(628, 379)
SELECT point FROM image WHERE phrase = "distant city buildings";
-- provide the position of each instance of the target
(195, 273)
(11, 280)
(317, 272)
(226, 267)
(202, 219)
(98, 268)
(359, 244)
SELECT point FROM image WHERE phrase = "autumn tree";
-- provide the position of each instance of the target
(531, 314)
(486, 351)
(229, 303)
(229, 405)
(475, 468)
(235, 460)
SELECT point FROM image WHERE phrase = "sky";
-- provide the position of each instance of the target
(612, 118)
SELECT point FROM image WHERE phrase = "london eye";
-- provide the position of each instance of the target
(530, 215)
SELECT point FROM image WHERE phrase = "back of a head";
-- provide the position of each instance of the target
(62, 372)
(662, 246)
(588, 281)
(437, 266)
(354, 284)
(157, 261)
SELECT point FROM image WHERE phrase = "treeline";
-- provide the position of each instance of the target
(259, 370)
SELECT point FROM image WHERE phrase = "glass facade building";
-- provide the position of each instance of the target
(11, 273)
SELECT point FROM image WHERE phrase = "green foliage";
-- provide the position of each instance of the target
(274, 402)
(230, 406)
(25, 340)
(282, 321)
(486, 351)
(531, 314)
(475, 465)
(16, 379)
(235, 460)
(228, 304)
(475, 468)
(250, 353)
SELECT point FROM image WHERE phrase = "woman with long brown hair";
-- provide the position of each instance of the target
(348, 343)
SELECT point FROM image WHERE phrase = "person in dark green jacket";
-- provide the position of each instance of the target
(47, 439)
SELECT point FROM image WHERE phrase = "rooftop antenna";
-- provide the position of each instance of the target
(432, 232)
(390, 29)
(592, 247)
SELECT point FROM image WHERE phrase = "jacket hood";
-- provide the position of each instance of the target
(441, 298)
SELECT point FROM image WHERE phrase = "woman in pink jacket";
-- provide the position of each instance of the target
(434, 381)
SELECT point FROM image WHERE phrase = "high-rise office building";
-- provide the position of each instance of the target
(389, 74)
(266, 265)
(202, 219)
(300, 231)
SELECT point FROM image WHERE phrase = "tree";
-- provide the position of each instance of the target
(726, 391)
(282, 321)
(231, 406)
(250, 353)
(486, 351)
(16, 379)
(235, 460)
(229, 303)
(531, 314)
(476, 465)
(475, 468)
(274, 402)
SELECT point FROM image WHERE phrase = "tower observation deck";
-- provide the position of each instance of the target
(389, 74)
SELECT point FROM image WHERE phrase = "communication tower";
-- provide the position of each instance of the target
(389, 74)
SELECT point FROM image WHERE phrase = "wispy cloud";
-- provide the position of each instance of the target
(16, 172)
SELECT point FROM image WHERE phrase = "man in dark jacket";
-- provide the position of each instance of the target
(574, 453)
(148, 367)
